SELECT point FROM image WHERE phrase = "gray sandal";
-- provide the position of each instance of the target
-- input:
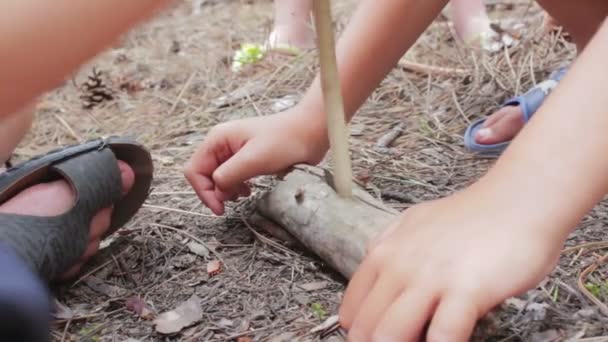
(51, 245)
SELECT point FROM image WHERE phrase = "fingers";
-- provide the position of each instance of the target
(356, 292)
(380, 298)
(250, 161)
(454, 319)
(240, 190)
(407, 316)
(205, 190)
(199, 171)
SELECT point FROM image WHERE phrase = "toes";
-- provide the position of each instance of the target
(47, 199)
(127, 175)
(100, 223)
(407, 316)
(494, 117)
(504, 128)
(454, 319)
(91, 250)
(73, 271)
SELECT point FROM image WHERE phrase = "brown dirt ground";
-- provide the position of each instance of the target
(168, 78)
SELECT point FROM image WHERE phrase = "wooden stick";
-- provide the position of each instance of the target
(330, 84)
(335, 229)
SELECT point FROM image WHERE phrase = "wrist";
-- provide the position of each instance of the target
(308, 126)
(533, 202)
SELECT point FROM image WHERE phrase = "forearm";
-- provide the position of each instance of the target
(378, 34)
(43, 41)
(556, 169)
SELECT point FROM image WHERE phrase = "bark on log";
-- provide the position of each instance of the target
(334, 228)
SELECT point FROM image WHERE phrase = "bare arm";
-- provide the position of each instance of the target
(43, 41)
(377, 36)
(556, 169)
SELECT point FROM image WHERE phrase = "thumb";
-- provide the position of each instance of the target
(250, 161)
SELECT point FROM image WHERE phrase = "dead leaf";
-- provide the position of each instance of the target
(248, 90)
(546, 336)
(63, 311)
(183, 261)
(137, 305)
(536, 311)
(165, 160)
(225, 323)
(99, 286)
(214, 267)
(585, 314)
(516, 303)
(244, 339)
(315, 286)
(185, 315)
(198, 249)
(284, 337)
(531, 310)
(213, 244)
(244, 325)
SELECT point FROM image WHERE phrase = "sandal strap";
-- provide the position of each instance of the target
(51, 245)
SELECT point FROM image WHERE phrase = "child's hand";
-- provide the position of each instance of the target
(236, 151)
(446, 262)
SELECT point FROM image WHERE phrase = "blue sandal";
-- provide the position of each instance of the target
(529, 102)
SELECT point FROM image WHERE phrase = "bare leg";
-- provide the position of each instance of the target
(581, 21)
(12, 129)
(292, 24)
(66, 33)
(472, 22)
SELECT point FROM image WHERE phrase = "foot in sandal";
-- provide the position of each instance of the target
(54, 212)
(490, 136)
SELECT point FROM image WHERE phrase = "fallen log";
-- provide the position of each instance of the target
(335, 228)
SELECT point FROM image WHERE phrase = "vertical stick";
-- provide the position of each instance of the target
(330, 83)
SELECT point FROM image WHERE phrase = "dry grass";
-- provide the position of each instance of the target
(168, 78)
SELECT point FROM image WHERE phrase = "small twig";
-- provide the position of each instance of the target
(460, 111)
(165, 193)
(589, 246)
(431, 69)
(212, 250)
(389, 137)
(593, 339)
(65, 330)
(265, 239)
(581, 284)
(175, 276)
(93, 271)
(178, 99)
(68, 127)
(178, 211)
(334, 106)
(273, 229)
